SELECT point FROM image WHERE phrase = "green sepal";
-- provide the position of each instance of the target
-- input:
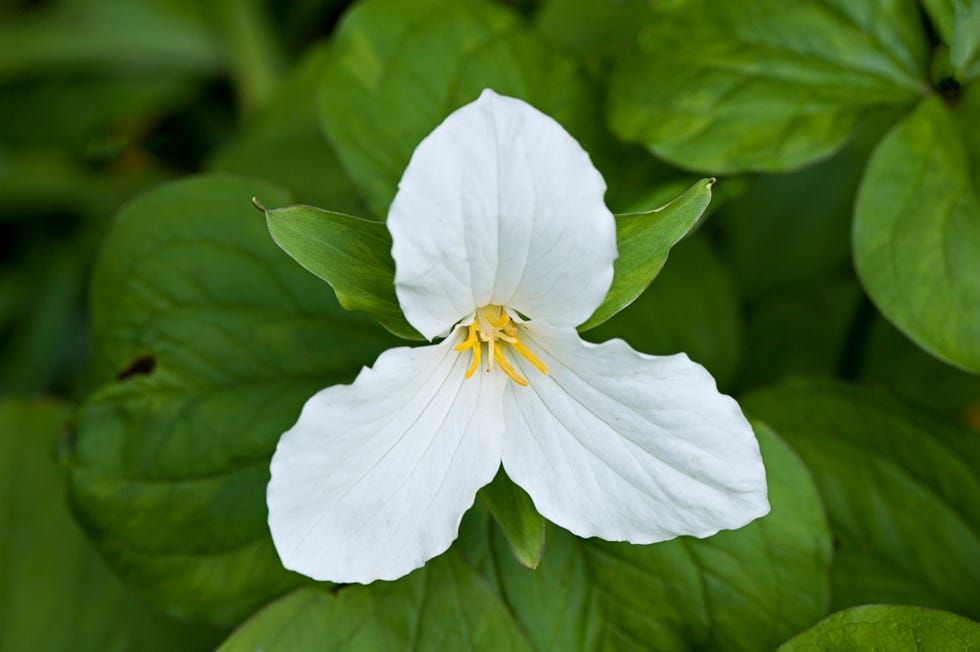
(350, 253)
(519, 521)
(644, 240)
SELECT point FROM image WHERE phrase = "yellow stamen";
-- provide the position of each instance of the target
(493, 325)
(471, 342)
(508, 370)
(530, 357)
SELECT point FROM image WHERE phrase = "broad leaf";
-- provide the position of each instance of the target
(444, 606)
(743, 590)
(353, 255)
(207, 340)
(644, 241)
(692, 306)
(897, 629)
(56, 594)
(917, 235)
(901, 492)
(719, 86)
(518, 519)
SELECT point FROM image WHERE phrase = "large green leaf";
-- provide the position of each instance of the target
(901, 492)
(917, 235)
(444, 606)
(872, 628)
(55, 593)
(643, 241)
(692, 306)
(399, 68)
(742, 590)
(770, 85)
(207, 339)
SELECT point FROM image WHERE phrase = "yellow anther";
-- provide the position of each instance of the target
(493, 325)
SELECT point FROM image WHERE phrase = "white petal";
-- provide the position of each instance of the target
(627, 446)
(373, 479)
(500, 205)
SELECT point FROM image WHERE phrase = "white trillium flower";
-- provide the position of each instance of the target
(503, 245)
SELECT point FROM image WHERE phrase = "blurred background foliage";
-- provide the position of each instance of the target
(102, 100)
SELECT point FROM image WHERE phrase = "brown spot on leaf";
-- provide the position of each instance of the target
(140, 366)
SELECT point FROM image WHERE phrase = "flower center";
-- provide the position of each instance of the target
(493, 326)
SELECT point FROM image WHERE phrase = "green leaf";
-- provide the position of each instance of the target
(644, 241)
(897, 629)
(375, 108)
(56, 594)
(743, 590)
(207, 339)
(718, 86)
(444, 606)
(353, 255)
(518, 519)
(917, 234)
(692, 306)
(901, 492)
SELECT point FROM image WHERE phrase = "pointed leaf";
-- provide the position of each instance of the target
(644, 241)
(518, 519)
(353, 255)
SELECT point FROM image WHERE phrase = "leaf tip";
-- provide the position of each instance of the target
(258, 204)
(711, 182)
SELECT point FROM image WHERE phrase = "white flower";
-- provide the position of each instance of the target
(503, 244)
